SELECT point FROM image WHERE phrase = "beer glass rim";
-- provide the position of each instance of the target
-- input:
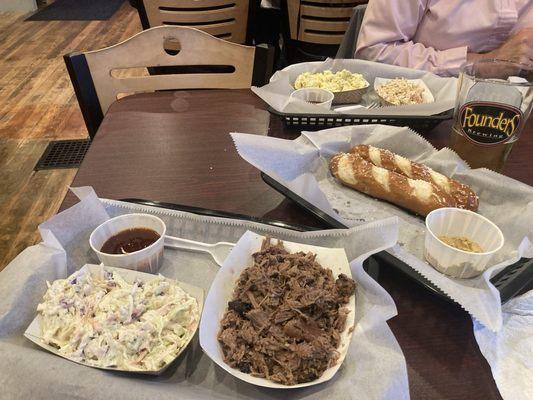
(466, 70)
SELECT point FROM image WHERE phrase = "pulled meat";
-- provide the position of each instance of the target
(286, 316)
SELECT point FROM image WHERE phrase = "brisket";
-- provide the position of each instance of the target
(286, 316)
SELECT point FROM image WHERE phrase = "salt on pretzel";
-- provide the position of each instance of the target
(462, 194)
(416, 195)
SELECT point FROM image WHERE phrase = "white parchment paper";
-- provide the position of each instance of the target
(374, 368)
(276, 93)
(302, 166)
(509, 352)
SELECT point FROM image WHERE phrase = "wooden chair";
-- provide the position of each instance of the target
(316, 27)
(206, 61)
(225, 19)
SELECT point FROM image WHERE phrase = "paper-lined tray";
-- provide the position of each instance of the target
(277, 92)
(33, 332)
(65, 247)
(302, 167)
(510, 281)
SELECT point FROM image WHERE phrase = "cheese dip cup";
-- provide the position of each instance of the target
(456, 222)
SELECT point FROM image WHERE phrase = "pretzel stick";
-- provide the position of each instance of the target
(415, 195)
(464, 196)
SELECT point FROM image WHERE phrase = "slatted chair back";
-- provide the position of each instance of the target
(320, 21)
(196, 60)
(225, 19)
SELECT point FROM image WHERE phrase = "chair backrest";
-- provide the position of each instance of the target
(349, 42)
(98, 76)
(320, 21)
(225, 19)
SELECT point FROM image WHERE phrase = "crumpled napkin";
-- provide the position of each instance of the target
(509, 352)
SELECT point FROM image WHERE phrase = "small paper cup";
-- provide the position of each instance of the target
(319, 97)
(460, 223)
(148, 259)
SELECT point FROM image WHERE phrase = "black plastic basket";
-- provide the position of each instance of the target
(510, 281)
(317, 121)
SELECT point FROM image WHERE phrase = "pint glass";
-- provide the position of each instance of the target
(494, 99)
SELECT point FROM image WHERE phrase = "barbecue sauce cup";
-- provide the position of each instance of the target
(128, 233)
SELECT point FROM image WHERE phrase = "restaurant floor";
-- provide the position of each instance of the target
(37, 105)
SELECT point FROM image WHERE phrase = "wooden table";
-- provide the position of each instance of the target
(175, 147)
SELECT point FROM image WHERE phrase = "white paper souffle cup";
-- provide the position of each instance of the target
(319, 97)
(457, 222)
(148, 259)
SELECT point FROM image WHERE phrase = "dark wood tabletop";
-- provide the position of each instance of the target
(175, 147)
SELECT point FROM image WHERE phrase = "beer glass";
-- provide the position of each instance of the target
(494, 99)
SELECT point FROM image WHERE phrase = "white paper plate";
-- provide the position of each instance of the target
(33, 332)
(427, 96)
(221, 292)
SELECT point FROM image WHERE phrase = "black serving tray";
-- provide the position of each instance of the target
(318, 121)
(510, 281)
(371, 267)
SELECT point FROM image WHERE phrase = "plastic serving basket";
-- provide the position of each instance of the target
(510, 281)
(317, 121)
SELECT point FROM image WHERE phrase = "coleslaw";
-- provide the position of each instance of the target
(102, 320)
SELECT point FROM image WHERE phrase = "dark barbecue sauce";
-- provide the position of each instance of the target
(130, 240)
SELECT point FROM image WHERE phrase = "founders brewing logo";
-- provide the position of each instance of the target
(489, 123)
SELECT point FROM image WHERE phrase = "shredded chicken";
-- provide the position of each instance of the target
(286, 316)
(400, 91)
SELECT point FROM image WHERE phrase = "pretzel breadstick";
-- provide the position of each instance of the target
(464, 196)
(413, 194)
